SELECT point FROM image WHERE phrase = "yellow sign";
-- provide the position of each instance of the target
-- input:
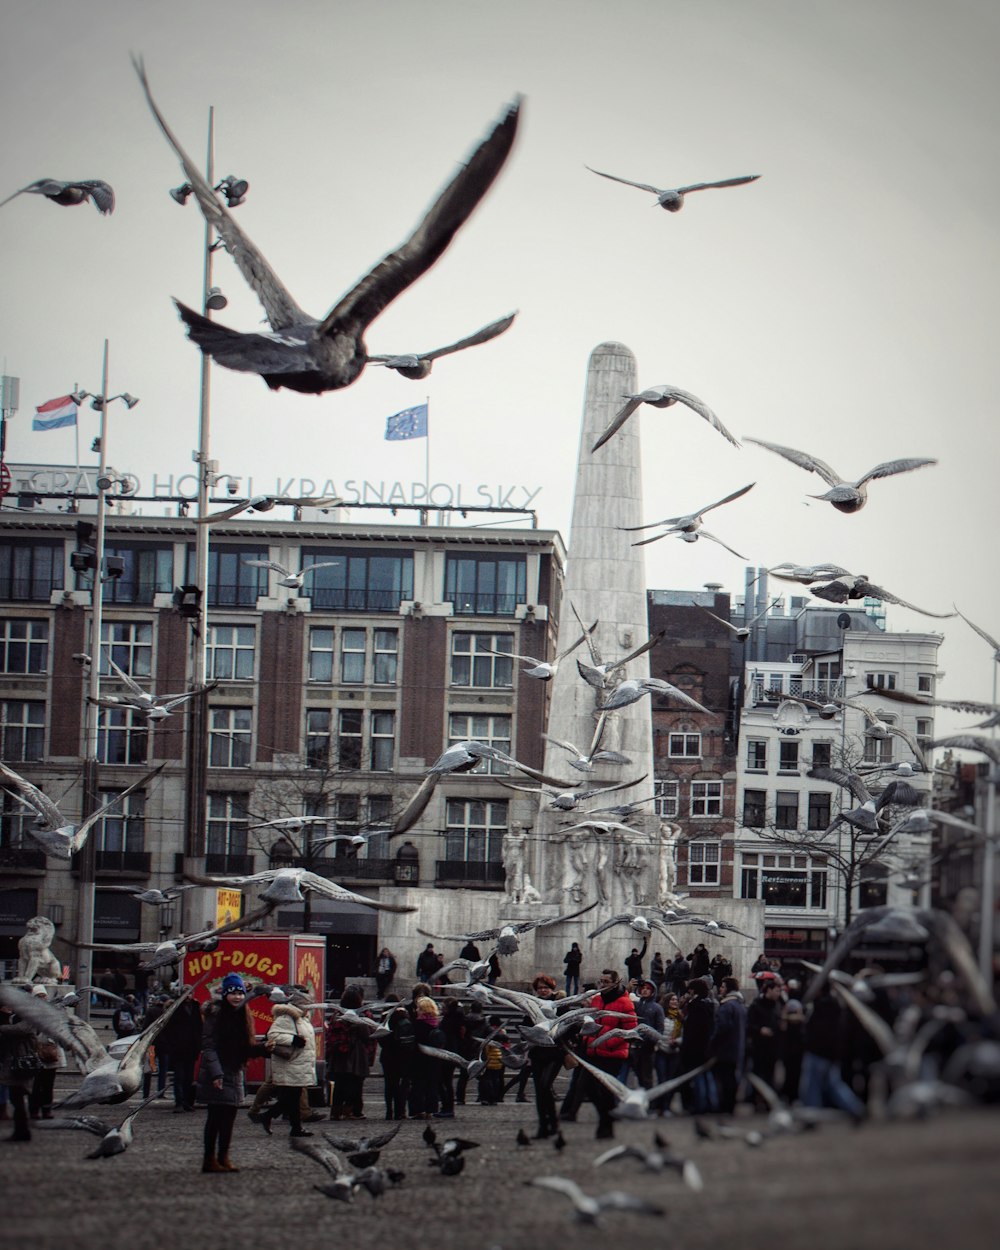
(228, 905)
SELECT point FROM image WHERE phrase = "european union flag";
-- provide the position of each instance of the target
(410, 423)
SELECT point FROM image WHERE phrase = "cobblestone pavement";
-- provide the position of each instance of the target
(929, 1184)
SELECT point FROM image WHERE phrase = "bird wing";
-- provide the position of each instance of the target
(88, 1123)
(702, 409)
(643, 186)
(623, 413)
(728, 499)
(595, 655)
(889, 467)
(728, 624)
(840, 777)
(969, 742)
(101, 193)
(876, 592)
(583, 795)
(484, 935)
(664, 928)
(416, 806)
(325, 1156)
(648, 645)
(396, 271)
(83, 829)
(802, 459)
(40, 802)
(774, 1103)
(248, 918)
(270, 564)
(870, 1021)
(525, 925)
(560, 1184)
(330, 889)
(981, 632)
(619, 1200)
(437, 1052)
(668, 1087)
(43, 1018)
(579, 642)
(484, 335)
(726, 182)
(322, 564)
(281, 310)
(610, 1082)
(624, 918)
(133, 686)
(712, 538)
(593, 677)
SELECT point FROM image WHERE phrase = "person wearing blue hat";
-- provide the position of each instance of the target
(228, 1041)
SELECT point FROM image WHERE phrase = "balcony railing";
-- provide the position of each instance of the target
(490, 604)
(479, 874)
(20, 859)
(129, 863)
(339, 599)
(229, 865)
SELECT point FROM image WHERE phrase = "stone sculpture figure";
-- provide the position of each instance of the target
(513, 849)
(35, 960)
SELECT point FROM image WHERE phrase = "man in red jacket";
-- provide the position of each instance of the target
(608, 1054)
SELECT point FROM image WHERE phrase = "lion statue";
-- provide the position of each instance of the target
(34, 956)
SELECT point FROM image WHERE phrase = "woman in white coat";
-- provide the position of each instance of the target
(293, 1065)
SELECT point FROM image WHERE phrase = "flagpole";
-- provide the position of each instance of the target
(427, 450)
(76, 432)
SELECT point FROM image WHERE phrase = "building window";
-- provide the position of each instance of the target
(350, 725)
(15, 825)
(229, 652)
(479, 727)
(880, 681)
(873, 888)
(232, 582)
(24, 646)
(131, 646)
(475, 830)
(784, 880)
(227, 824)
(485, 585)
(827, 679)
(352, 656)
(757, 755)
(30, 570)
(788, 756)
(123, 827)
(122, 736)
(321, 654)
(819, 809)
(755, 808)
(317, 739)
(22, 730)
(383, 741)
(666, 798)
(879, 750)
(925, 683)
(822, 755)
(684, 746)
(472, 663)
(786, 809)
(706, 798)
(361, 583)
(148, 571)
(230, 732)
(704, 859)
(385, 656)
(925, 732)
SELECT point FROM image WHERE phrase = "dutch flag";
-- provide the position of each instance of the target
(55, 413)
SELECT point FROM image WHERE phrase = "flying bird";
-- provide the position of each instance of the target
(601, 674)
(663, 396)
(569, 800)
(70, 193)
(286, 577)
(344, 1183)
(418, 365)
(672, 199)
(286, 885)
(688, 527)
(742, 632)
(842, 589)
(588, 1209)
(584, 761)
(634, 1104)
(845, 496)
(969, 742)
(115, 1138)
(641, 924)
(864, 818)
(59, 837)
(634, 689)
(264, 503)
(155, 898)
(152, 707)
(806, 573)
(659, 1159)
(982, 634)
(301, 352)
(171, 951)
(544, 670)
(506, 936)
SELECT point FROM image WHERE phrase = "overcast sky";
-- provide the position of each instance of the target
(845, 304)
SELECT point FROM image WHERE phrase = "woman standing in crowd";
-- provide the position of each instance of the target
(292, 1042)
(228, 1041)
(385, 970)
(347, 1058)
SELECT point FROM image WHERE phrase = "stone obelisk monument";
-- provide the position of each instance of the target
(605, 581)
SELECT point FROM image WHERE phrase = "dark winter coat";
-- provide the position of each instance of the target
(699, 1022)
(227, 1042)
(728, 1042)
(181, 1035)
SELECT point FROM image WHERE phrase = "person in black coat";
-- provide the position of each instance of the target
(572, 961)
(634, 961)
(699, 1023)
(700, 961)
(179, 1045)
(763, 1031)
(678, 975)
(728, 1044)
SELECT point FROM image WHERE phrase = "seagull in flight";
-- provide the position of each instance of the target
(843, 589)
(806, 573)
(155, 898)
(569, 800)
(587, 1209)
(634, 689)
(61, 838)
(145, 701)
(742, 632)
(634, 1104)
(69, 194)
(506, 936)
(286, 885)
(982, 634)
(544, 670)
(656, 1160)
(689, 527)
(115, 1138)
(844, 495)
(286, 577)
(584, 761)
(163, 954)
(313, 355)
(264, 503)
(663, 396)
(672, 199)
(643, 925)
(864, 818)
(418, 365)
(603, 675)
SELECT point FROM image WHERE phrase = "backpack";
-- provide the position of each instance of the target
(338, 1038)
